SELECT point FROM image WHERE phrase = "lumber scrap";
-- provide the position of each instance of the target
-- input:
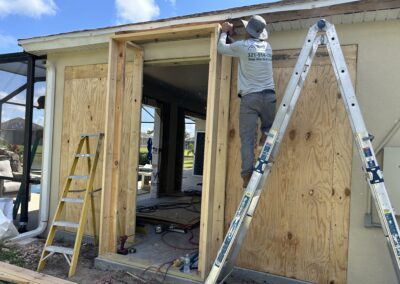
(16, 274)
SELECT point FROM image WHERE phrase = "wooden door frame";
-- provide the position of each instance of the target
(213, 201)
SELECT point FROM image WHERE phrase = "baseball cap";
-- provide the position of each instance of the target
(256, 27)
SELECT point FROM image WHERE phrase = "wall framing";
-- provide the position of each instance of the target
(115, 161)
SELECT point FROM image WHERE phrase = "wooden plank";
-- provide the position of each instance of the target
(207, 203)
(134, 144)
(168, 33)
(16, 274)
(298, 230)
(341, 192)
(217, 231)
(112, 147)
(88, 112)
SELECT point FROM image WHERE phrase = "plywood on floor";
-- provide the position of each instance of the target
(301, 226)
(175, 216)
(185, 215)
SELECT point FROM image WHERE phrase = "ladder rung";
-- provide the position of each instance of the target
(78, 177)
(72, 200)
(85, 155)
(66, 224)
(90, 134)
(63, 250)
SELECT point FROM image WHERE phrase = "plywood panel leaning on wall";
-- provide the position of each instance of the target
(83, 112)
(301, 226)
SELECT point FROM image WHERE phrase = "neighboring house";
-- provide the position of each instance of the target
(310, 221)
(12, 131)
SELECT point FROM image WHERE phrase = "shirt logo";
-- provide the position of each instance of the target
(258, 56)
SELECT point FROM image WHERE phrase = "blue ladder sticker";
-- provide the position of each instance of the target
(367, 152)
(259, 165)
(377, 176)
(371, 164)
(393, 232)
(233, 227)
(265, 151)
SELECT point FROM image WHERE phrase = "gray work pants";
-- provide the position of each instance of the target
(253, 106)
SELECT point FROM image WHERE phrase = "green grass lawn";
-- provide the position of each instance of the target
(187, 160)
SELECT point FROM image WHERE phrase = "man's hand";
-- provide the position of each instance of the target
(227, 28)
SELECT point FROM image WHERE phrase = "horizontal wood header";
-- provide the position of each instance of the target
(168, 33)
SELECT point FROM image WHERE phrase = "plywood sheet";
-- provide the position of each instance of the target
(175, 216)
(83, 112)
(301, 226)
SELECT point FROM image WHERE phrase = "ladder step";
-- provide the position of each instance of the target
(78, 177)
(57, 249)
(91, 134)
(85, 155)
(72, 200)
(66, 224)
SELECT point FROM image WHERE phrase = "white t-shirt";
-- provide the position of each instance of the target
(255, 63)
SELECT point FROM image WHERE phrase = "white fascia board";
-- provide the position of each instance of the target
(101, 36)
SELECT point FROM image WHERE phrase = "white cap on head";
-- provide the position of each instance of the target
(256, 27)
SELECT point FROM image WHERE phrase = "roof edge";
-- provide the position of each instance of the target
(216, 16)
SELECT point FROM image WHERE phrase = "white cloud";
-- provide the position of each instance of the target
(130, 11)
(31, 8)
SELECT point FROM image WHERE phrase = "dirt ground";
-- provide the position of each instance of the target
(28, 255)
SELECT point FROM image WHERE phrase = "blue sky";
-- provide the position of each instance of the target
(29, 18)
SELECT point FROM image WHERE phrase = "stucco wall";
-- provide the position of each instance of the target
(378, 82)
(377, 88)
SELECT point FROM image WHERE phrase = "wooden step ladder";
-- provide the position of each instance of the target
(71, 254)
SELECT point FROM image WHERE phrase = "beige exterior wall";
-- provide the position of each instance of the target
(377, 87)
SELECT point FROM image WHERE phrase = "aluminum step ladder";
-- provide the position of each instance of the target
(72, 254)
(322, 33)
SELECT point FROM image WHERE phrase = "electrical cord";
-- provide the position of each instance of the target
(180, 248)
(168, 206)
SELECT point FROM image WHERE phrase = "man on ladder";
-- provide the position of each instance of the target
(322, 33)
(255, 85)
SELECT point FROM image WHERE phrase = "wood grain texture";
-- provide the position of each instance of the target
(83, 112)
(110, 223)
(14, 274)
(221, 156)
(168, 33)
(300, 229)
(132, 111)
(207, 201)
(84, 106)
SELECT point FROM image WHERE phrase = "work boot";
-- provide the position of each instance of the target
(261, 142)
(262, 139)
(246, 179)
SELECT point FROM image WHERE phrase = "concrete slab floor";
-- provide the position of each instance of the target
(157, 249)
